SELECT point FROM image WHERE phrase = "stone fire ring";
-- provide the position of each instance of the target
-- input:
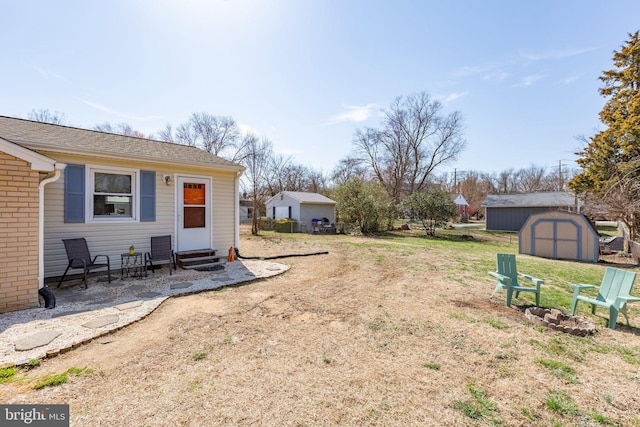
(556, 320)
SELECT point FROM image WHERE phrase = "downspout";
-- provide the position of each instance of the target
(236, 222)
(59, 167)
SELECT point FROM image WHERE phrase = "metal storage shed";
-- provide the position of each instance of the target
(559, 235)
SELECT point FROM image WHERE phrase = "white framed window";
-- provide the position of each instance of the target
(113, 194)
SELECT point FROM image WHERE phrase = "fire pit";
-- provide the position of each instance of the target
(556, 320)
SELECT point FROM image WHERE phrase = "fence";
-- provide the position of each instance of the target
(635, 251)
(288, 225)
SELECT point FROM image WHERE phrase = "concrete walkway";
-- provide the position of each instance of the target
(82, 315)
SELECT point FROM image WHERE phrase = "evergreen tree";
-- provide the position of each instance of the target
(610, 162)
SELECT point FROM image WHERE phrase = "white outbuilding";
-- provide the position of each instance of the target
(311, 210)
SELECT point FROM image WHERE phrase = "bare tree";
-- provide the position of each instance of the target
(347, 169)
(505, 182)
(275, 173)
(257, 152)
(296, 177)
(186, 135)
(166, 134)
(317, 181)
(121, 129)
(474, 188)
(219, 135)
(413, 141)
(558, 179)
(473, 185)
(46, 116)
(215, 133)
(531, 180)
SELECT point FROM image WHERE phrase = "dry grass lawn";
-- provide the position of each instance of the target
(377, 333)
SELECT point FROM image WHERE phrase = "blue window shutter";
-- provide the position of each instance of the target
(147, 196)
(74, 193)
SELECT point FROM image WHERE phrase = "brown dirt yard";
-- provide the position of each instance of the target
(376, 333)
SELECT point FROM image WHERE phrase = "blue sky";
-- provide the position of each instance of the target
(308, 73)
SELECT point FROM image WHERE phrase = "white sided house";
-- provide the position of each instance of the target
(309, 209)
(59, 182)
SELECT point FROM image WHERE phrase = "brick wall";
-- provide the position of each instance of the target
(18, 234)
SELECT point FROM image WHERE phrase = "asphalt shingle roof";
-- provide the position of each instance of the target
(545, 199)
(46, 137)
(304, 197)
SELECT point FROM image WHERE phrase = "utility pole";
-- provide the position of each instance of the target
(455, 180)
(560, 176)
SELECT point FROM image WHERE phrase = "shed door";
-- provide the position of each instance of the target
(553, 238)
(282, 212)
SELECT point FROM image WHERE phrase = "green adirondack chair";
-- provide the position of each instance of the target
(613, 293)
(507, 275)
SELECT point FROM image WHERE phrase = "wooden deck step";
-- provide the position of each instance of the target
(198, 258)
(197, 252)
(207, 265)
(202, 258)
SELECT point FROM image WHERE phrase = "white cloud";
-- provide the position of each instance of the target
(554, 54)
(496, 75)
(355, 113)
(42, 72)
(527, 81)
(117, 113)
(490, 71)
(246, 129)
(452, 96)
(47, 75)
(469, 70)
(499, 71)
(570, 79)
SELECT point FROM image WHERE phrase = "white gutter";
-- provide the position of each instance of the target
(59, 167)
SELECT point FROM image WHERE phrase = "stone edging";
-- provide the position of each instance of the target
(556, 320)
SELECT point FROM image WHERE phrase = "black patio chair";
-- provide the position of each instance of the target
(79, 257)
(160, 251)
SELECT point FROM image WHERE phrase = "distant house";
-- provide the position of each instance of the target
(308, 209)
(508, 212)
(461, 205)
(59, 182)
(246, 210)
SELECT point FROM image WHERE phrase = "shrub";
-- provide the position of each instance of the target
(365, 204)
(285, 225)
(265, 223)
(433, 208)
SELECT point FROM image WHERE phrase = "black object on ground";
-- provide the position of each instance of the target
(48, 296)
(277, 256)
